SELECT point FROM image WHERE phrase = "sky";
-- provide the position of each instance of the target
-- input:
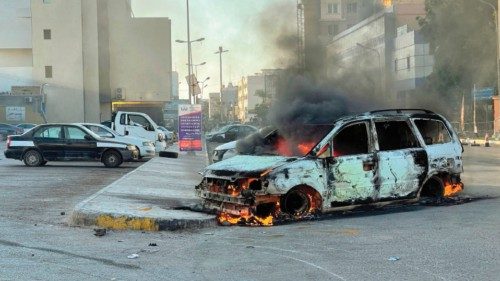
(236, 25)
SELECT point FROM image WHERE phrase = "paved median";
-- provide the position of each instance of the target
(158, 195)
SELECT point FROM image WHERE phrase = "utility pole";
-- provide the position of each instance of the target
(220, 51)
(190, 63)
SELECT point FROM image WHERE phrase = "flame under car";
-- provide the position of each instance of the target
(374, 158)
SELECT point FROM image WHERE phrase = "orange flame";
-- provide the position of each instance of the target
(225, 218)
(285, 148)
(451, 189)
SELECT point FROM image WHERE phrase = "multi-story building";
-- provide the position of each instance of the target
(325, 19)
(94, 56)
(175, 85)
(214, 106)
(248, 97)
(412, 63)
(398, 57)
(15, 44)
(229, 101)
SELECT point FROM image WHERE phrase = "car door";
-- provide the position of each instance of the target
(443, 153)
(77, 146)
(50, 141)
(402, 162)
(138, 126)
(352, 165)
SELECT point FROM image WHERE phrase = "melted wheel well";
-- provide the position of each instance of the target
(433, 187)
(301, 200)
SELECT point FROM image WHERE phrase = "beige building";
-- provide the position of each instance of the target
(92, 56)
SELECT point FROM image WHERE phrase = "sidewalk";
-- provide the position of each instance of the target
(155, 196)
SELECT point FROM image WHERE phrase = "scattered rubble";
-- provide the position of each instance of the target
(99, 232)
(133, 256)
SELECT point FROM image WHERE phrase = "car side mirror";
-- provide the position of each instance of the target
(88, 137)
(126, 133)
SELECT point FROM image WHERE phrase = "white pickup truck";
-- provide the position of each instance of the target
(138, 124)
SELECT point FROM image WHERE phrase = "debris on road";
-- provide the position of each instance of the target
(99, 232)
(152, 245)
(63, 213)
(133, 256)
(393, 258)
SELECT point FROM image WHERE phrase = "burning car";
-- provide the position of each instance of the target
(377, 158)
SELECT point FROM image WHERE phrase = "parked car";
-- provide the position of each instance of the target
(107, 123)
(373, 158)
(138, 124)
(146, 147)
(26, 126)
(230, 133)
(6, 129)
(67, 142)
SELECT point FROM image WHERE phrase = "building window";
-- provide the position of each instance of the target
(407, 62)
(48, 71)
(333, 8)
(47, 34)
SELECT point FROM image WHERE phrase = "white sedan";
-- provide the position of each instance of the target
(146, 147)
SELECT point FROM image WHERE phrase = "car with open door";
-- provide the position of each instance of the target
(67, 142)
(375, 158)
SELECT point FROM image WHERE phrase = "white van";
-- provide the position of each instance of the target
(138, 124)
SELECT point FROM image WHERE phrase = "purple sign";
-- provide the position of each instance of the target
(190, 119)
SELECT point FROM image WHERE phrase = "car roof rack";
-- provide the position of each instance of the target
(402, 110)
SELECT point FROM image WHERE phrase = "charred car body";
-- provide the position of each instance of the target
(374, 158)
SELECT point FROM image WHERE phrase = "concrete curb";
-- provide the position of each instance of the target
(156, 196)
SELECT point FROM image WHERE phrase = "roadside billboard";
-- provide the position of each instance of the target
(190, 120)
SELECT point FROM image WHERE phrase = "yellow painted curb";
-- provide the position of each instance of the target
(123, 222)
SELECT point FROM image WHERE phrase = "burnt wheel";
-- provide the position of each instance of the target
(433, 188)
(169, 154)
(32, 158)
(112, 159)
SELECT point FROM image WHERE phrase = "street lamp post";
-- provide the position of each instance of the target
(201, 88)
(220, 51)
(190, 58)
(189, 64)
(379, 63)
(196, 68)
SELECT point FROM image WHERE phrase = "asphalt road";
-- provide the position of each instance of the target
(452, 242)
(41, 194)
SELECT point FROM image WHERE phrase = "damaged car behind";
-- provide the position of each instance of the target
(375, 158)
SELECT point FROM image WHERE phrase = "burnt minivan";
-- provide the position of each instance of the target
(377, 158)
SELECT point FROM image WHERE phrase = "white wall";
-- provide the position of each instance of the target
(64, 53)
(140, 54)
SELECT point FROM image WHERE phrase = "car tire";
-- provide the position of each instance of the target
(169, 154)
(33, 158)
(112, 159)
(43, 163)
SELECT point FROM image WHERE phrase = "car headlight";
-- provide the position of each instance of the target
(131, 147)
(148, 143)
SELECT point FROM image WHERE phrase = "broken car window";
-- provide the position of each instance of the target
(351, 140)
(393, 135)
(433, 131)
